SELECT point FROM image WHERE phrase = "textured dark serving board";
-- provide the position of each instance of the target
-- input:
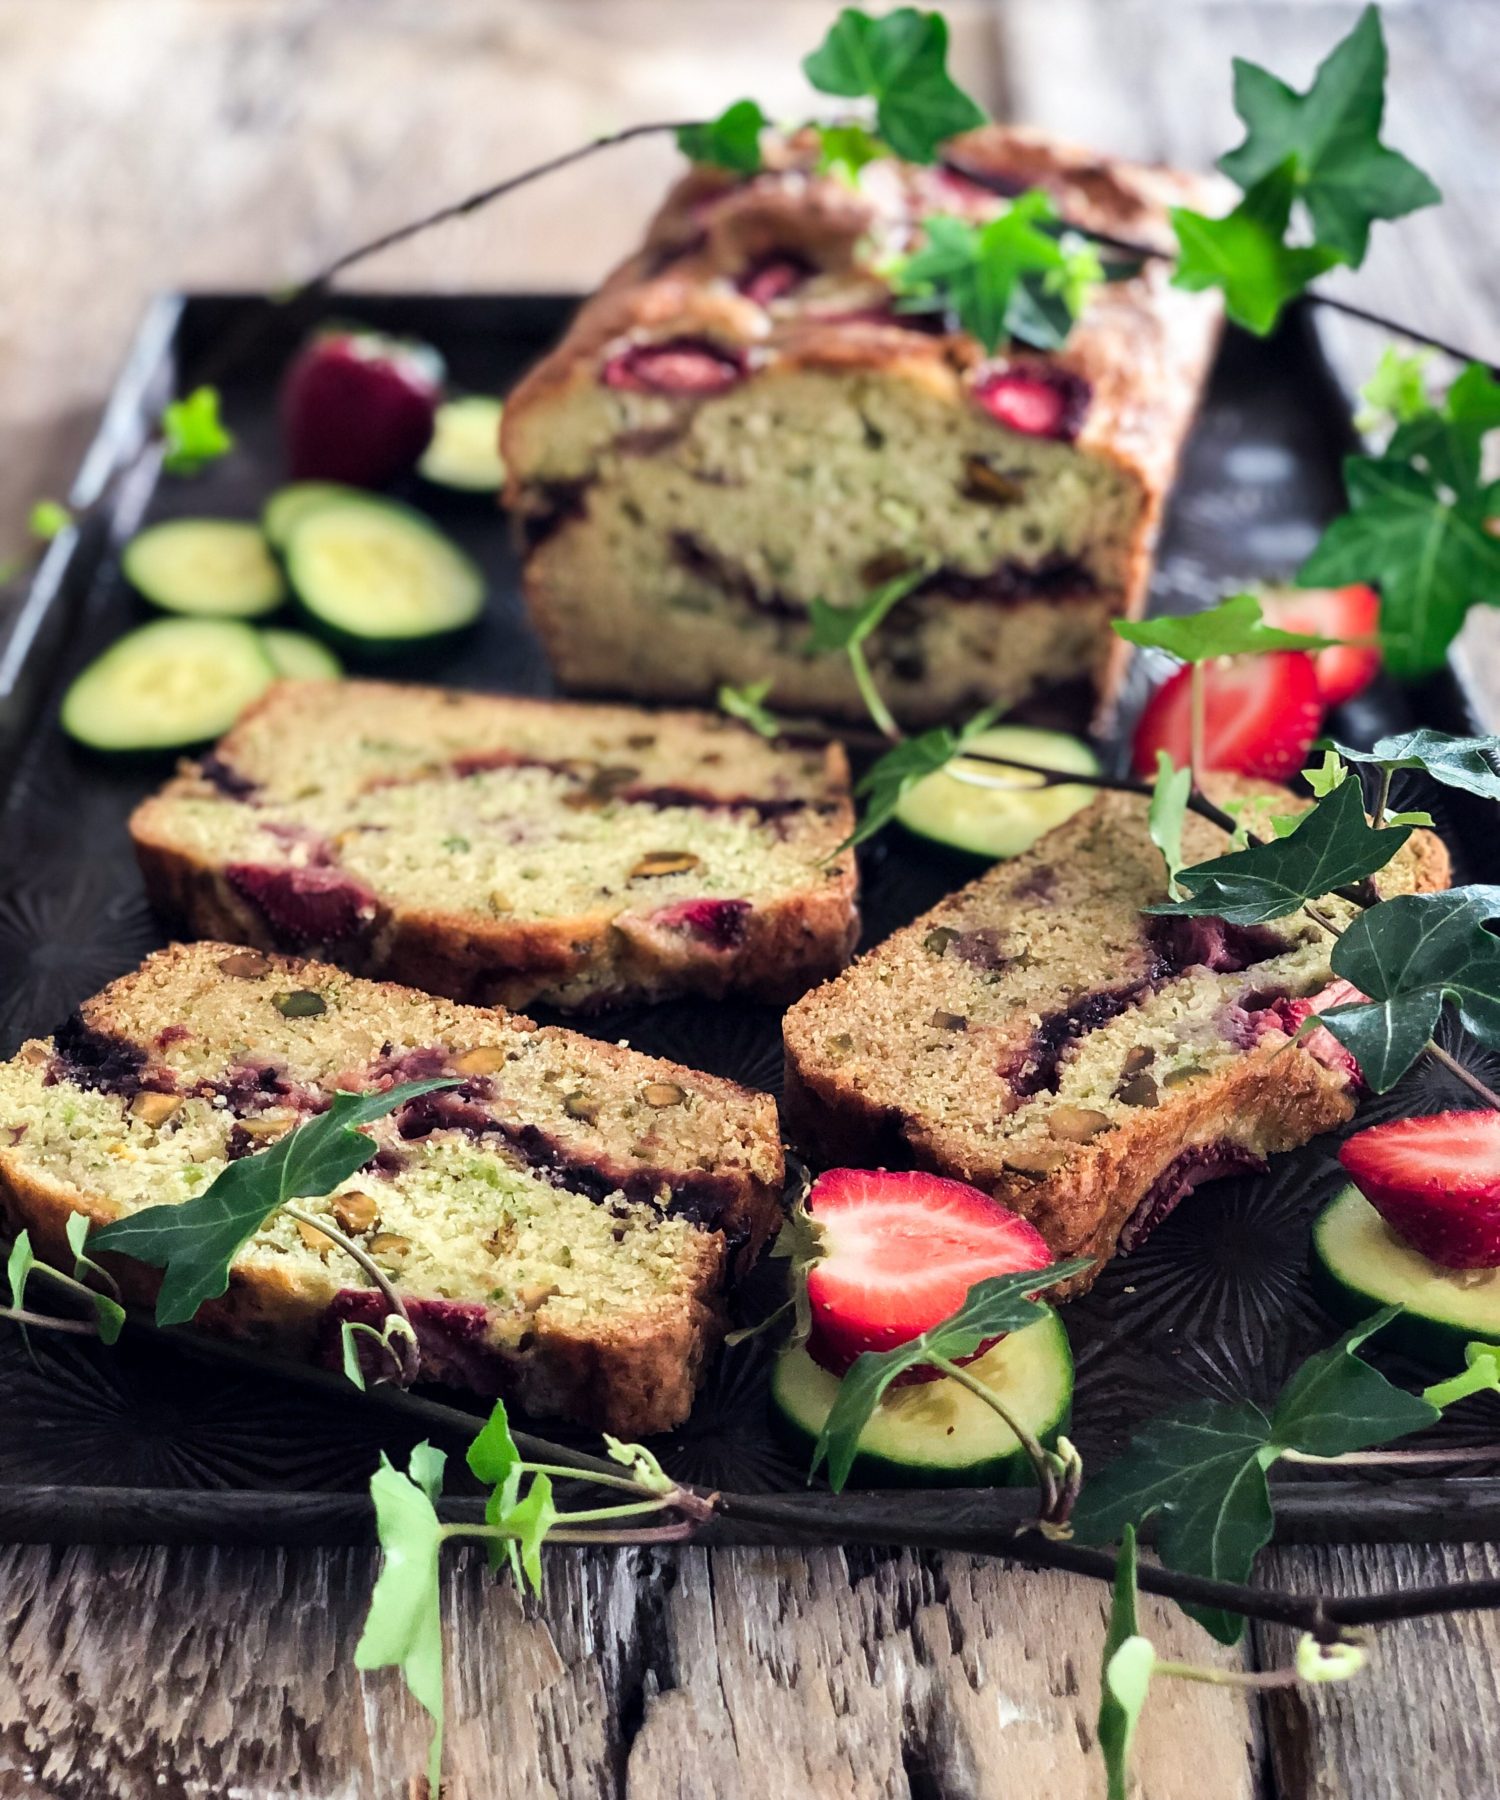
(151, 1440)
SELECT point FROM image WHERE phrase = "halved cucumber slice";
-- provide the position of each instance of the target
(465, 448)
(1360, 1265)
(1012, 810)
(381, 574)
(167, 685)
(290, 505)
(938, 1433)
(297, 657)
(205, 568)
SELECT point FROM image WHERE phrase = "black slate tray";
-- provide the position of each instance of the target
(174, 1440)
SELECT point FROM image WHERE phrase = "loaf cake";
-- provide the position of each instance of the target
(511, 850)
(561, 1224)
(741, 421)
(1036, 1035)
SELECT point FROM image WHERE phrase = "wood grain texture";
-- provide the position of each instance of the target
(732, 1674)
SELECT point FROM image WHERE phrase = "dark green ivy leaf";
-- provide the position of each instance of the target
(193, 432)
(1467, 763)
(731, 141)
(1330, 139)
(1009, 277)
(1448, 440)
(1126, 1674)
(196, 1240)
(1245, 254)
(900, 62)
(1427, 547)
(1336, 1403)
(1235, 627)
(885, 781)
(1409, 955)
(991, 1308)
(1334, 845)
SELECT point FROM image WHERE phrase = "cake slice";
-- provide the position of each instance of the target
(743, 420)
(562, 1224)
(511, 850)
(1037, 1036)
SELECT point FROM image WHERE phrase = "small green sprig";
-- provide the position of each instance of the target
(22, 1266)
(193, 433)
(731, 141)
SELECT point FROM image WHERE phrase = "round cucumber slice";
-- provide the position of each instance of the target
(465, 448)
(381, 574)
(1012, 810)
(297, 657)
(290, 505)
(938, 1433)
(205, 568)
(1360, 1265)
(167, 685)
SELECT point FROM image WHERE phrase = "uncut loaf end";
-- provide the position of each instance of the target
(562, 1225)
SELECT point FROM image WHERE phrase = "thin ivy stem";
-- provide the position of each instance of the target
(1238, 1678)
(1382, 804)
(1375, 1459)
(562, 1472)
(407, 1362)
(875, 704)
(1454, 1067)
(1046, 1476)
(20, 1315)
(599, 1514)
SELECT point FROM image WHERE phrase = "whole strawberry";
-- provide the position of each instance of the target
(358, 407)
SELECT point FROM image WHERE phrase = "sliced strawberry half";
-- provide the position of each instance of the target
(1346, 612)
(1436, 1183)
(901, 1251)
(1260, 716)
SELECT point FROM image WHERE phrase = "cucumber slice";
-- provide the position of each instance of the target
(937, 1433)
(290, 505)
(297, 657)
(1360, 1265)
(381, 574)
(205, 568)
(465, 448)
(167, 685)
(1008, 817)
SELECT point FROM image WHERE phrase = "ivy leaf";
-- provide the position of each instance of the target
(18, 1268)
(1245, 254)
(885, 781)
(1336, 1402)
(49, 519)
(1448, 440)
(1329, 137)
(747, 704)
(845, 627)
(1427, 548)
(532, 1518)
(194, 433)
(1205, 1471)
(1397, 390)
(1409, 955)
(731, 141)
(843, 150)
(1129, 1660)
(992, 1307)
(900, 62)
(404, 1628)
(109, 1315)
(1010, 277)
(1334, 845)
(1235, 627)
(1467, 763)
(196, 1240)
(1169, 798)
(494, 1459)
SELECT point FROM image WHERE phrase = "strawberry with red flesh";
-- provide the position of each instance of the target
(1345, 669)
(900, 1253)
(1260, 716)
(1436, 1182)
(358, 407)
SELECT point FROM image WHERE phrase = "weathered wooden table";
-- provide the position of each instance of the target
(155, 143)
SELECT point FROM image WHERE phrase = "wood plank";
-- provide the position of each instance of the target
(842, 1676)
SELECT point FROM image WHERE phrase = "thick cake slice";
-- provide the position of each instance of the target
(562, 1224)
(511, 850)
(743, 421)
(1036, 1035)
